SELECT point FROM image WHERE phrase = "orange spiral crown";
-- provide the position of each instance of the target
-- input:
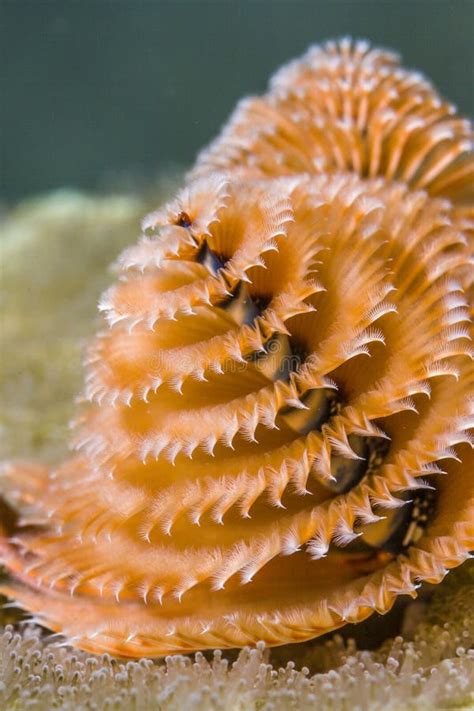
(281, 399)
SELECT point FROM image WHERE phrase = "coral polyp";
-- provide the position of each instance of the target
(277, 439)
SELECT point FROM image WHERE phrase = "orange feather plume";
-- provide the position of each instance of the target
(277, 440)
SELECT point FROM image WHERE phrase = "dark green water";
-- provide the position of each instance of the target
(98, 89)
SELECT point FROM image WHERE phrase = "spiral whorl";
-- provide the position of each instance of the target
(278, 436)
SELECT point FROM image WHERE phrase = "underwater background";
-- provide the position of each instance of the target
(105, 92)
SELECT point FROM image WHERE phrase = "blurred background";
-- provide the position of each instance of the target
(100, 94)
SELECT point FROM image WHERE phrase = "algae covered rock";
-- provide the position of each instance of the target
(55, 252)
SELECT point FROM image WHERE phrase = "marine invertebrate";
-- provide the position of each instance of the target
(244, 471)
(434, 670)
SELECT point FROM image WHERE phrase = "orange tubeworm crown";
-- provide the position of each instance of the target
(277, 440)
